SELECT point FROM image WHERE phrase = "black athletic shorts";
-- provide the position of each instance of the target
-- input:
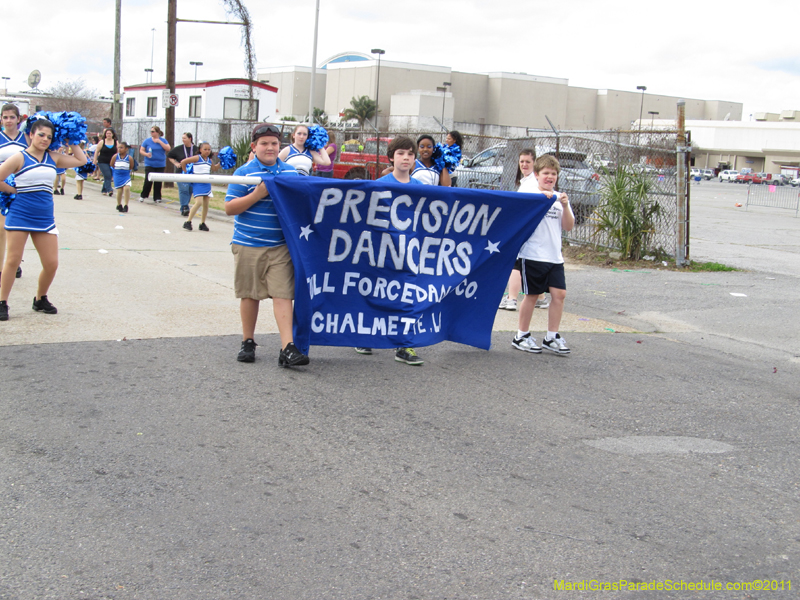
(539, 277)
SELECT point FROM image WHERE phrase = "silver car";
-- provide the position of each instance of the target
(577, 179)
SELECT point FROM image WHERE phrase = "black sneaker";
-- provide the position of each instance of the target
(408, 356)
(203, 227)
(119, 207)
(75, 197)
(43, 305)
(19, 272)
(184, 211)
(362, 350)
(3, 310)
(187, 226)
(248, 351)
(292, 357)
(125, 208)
(79, 197)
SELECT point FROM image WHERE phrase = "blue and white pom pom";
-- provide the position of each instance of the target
(317, 138)
(444, 157)
(227, 157)
(5, 199)
(86, 170)
(70, 127)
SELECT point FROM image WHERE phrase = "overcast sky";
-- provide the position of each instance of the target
(735, 51)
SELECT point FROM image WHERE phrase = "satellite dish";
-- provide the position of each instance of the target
(34, 78)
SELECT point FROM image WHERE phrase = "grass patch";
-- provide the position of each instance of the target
(708, 266)
(589, 255)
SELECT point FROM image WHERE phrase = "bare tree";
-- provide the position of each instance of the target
(75, 96)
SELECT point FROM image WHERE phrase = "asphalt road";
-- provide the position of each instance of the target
(157, 467)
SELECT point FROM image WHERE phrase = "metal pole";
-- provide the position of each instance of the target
(379, 52)
(313, 68)
(116, 112)
(681, 189)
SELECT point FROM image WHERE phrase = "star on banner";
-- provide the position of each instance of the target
(305, 232)
(492, 247)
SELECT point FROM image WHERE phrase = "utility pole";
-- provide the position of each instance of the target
(116, 107)
(169, 112)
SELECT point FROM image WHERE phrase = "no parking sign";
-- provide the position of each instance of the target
(168, 99)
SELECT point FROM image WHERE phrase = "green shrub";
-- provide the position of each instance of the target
(625, 215)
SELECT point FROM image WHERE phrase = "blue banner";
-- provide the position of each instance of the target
(396, 266)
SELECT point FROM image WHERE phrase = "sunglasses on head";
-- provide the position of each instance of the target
(266, 129)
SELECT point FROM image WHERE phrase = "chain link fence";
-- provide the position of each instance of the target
(589, 161)
(216, 132)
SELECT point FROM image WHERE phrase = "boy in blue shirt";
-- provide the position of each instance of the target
(402, 153)
(263, 267)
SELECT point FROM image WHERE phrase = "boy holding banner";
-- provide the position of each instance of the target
(402, 154)
(263, 267)
(541, 262)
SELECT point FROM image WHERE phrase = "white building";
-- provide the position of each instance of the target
(217, 99)
(218, 111)
(770, 146)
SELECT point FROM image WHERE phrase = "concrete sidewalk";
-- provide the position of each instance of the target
(140, 275)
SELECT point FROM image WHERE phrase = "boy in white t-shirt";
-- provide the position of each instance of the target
(541, 263)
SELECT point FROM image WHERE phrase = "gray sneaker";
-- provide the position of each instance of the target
(526, 343)
(543, 303)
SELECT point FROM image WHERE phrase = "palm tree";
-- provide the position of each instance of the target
(363, 109)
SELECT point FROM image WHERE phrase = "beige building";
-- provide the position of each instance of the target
(479, 101)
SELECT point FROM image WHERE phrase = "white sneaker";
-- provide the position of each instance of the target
(503, 303)
(557, 345)
(543, 303)
(511, 304)
(526, 343)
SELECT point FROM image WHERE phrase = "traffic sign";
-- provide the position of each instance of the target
(168, 99)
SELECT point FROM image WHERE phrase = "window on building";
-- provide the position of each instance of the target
(237, 108)
(130, 107)
(195, 106)
(152, 107)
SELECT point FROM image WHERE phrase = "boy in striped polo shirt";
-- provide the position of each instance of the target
(263, 267)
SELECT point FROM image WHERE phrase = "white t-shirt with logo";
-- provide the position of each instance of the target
(544, 245)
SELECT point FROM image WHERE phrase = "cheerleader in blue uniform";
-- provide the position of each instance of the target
(31, 212)
(12, 140)
(299, 157)
(425, 170)
(121, 169)
(201, 165)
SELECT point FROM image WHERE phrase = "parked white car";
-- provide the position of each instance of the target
(707, 174)
(728, 175)
(795, 182)
(695, 172)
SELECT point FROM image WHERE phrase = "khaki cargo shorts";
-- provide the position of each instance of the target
(263, 272)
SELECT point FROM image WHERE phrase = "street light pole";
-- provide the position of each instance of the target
(652, 114)
(641, 106)
(5, 85)
(445, 85)
(195, 65)
(380, 53)
(149, 75)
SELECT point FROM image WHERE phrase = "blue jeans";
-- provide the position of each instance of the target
(108, 178)
(185, 193)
